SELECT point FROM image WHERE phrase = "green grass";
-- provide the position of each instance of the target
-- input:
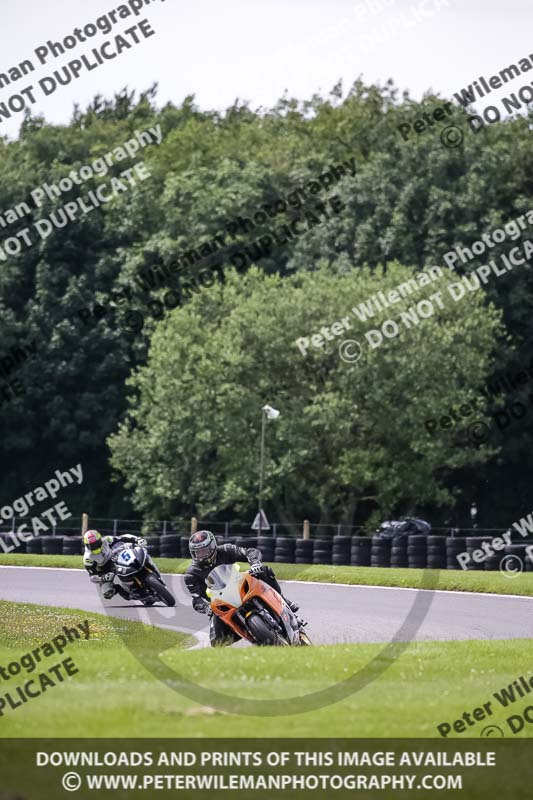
(458, 580)
(114, 695)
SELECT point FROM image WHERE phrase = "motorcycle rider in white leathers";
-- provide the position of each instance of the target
(97, 560)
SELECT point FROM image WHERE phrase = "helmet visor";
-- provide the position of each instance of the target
(94, 543)
(204, 553)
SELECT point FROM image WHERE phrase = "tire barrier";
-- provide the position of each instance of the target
(360, 551)
(475, 543)
(72, 546)
(520, 551)
(154, 545)
(454, 546)
(266, 545)
(322, 551)
(243, 541)
(303, 553)
(184, 547)
(52, 545)
(416, 551)
(380, 554)
(284, 550)
(35, 546)
(398, 553)
(341, 552)
(170, 546)
(436, 552)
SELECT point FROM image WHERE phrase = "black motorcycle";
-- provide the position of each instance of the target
(136, 570)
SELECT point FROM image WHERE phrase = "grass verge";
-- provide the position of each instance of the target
(450, 580)
(113, 695)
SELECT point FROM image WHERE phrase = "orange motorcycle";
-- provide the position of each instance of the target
(252, 608)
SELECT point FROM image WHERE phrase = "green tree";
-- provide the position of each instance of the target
(351, 436)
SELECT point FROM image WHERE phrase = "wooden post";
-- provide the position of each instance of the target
(194, 524)
(307, 529)
(84, 524)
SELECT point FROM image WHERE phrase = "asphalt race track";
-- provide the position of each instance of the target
(336, 613)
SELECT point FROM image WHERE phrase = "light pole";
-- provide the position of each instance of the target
(268, 413)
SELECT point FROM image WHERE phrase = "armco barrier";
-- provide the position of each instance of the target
(415, 551)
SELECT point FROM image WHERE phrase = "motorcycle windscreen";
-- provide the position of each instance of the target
(219, 577)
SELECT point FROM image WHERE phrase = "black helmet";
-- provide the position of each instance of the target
(203, 548)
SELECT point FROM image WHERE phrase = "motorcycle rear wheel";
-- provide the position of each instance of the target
(159, 590)
(263, 633)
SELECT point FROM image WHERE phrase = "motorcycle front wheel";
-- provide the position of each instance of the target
(159, 590)
(304, 639)
(263, 633)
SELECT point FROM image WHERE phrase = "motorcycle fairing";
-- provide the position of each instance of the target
(229, 591)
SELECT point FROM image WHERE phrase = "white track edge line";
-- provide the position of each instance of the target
(321, 583)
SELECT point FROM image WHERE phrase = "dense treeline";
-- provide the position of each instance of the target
(177, 452)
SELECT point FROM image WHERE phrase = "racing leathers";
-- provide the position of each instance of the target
(101, 566)
(219, 632)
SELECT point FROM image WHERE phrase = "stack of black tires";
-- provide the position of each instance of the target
(436, 552)
(517, 550)
(303, 553)
(153, 544)
(72, 546)
(416, 551)
(341, 552)
(475, 543)
(398, 553)
(170, 545)
(52, 545)
(284, 550)
(246, 541)
(35, 546)
(454, 546)
(322, 551)
(266, 545)
(381, 552)
(360, 551)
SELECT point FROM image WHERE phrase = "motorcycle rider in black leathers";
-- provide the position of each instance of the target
(206, 555)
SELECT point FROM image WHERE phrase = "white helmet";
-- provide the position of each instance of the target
(98, 546)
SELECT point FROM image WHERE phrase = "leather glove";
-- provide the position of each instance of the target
(201, 605)
(255, 568)
(141, 542)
